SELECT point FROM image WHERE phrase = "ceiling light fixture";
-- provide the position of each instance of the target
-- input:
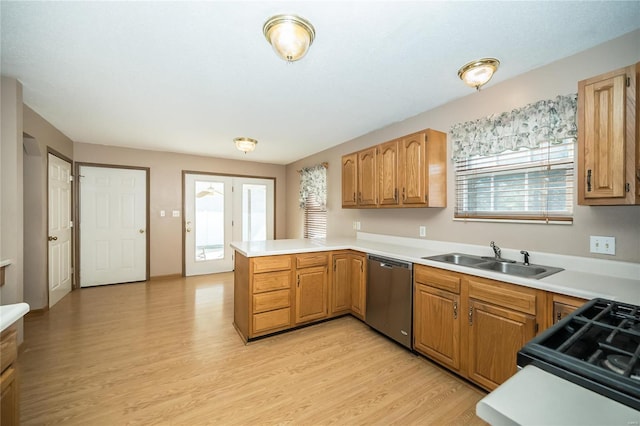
(245, 144)
(478, 73)
(290, 36)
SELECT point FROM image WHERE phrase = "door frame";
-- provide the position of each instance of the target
(72, 208)
(231, 175)
(77, 214)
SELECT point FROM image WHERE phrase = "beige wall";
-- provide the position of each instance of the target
(11, 222)
(166, 192)
(561, 77)
(39, 136)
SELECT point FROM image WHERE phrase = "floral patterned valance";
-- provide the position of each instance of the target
(552, 120)
(313, 182)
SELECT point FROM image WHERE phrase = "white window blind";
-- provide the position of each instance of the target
(534, 184)
(315, 218)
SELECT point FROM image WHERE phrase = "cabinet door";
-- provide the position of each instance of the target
(341, 290)
(367, 177)
(436, 325)
(9, 405)
(495, 337)
(414, 168)
(311, 293)
(604, 137)
(349, 180)
(388, 173)
(358, 285)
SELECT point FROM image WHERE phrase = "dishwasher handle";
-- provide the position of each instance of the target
(390, 263)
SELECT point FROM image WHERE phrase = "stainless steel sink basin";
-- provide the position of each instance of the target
(508, 267)
(457, 259)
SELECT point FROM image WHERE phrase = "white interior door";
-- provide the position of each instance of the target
(208, 224)
(59, 232)
(113, 225)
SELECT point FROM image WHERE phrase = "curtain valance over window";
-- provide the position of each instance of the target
(551, 120)
(313, 183)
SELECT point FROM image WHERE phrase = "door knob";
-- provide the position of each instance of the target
(50, 238)
(141, 231)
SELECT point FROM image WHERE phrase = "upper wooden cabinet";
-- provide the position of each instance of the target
(407, 172)
(608, 149)
(350, 180)
(367, 177)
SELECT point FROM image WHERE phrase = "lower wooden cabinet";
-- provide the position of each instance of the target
(9, 397)
(341, 284)
(436, 324)
(563, 305)
(496, 335)
(472, 325)
(358, 279)
(311, 294)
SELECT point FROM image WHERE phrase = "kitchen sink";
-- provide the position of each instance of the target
(457, 259)
(503, 266)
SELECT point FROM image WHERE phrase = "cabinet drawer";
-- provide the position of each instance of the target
(271, 281)
(506, 295)
(271, 320)
(435, 278)
(8, 349)
(271, 263)
(270, 301)
(312, 259)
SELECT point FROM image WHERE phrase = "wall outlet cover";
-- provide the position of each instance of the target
(176, 213)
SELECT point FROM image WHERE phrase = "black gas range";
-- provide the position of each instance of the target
(597, 347)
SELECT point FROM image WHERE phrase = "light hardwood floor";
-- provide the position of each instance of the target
(165, 352)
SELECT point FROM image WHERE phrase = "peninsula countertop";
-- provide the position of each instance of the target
(583, 277)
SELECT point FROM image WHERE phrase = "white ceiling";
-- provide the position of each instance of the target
(190, 76)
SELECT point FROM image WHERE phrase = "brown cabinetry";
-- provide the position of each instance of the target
(563, 305)
(348, 293)
(472, 325)
(358, 273)
(407, 172)
(350, 180)
(9, 398)
(367, 178)
(311, 287)
(436, 320)
(608, 149)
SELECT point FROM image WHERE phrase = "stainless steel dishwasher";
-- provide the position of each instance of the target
(389, 298)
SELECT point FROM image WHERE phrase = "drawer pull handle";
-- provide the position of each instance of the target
(455, 310)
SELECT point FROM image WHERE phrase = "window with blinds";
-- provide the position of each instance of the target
(315, 218)
(529, 184)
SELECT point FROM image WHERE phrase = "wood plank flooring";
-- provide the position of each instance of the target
(165, 352)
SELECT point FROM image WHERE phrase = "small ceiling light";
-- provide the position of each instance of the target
(478, 73)
(245, 144)
(290, 36)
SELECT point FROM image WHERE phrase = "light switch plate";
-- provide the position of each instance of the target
(176, 213)
(602, 245)
(162, 213)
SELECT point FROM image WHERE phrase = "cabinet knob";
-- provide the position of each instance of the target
(455, 310)
(50, 238)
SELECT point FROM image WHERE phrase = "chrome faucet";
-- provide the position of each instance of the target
(496, 250)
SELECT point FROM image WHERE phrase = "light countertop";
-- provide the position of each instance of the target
(11, 313)
(531, 397)
(583, 277)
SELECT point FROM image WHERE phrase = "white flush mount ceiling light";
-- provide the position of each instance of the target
(290, 36)
(245, 144)
(478, 73)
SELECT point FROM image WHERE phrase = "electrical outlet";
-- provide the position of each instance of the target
(162, 213)
(358, 225)
(602, 245)
(423, 231)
